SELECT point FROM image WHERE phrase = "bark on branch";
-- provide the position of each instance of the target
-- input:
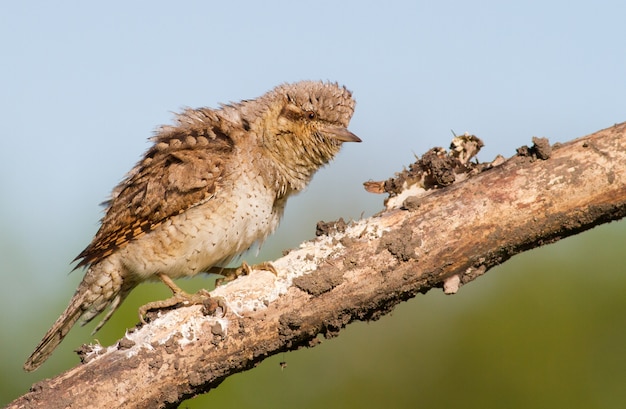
(445, 238)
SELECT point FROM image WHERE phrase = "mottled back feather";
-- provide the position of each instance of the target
(173, 176)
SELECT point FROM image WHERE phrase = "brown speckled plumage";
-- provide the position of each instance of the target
(212, 185)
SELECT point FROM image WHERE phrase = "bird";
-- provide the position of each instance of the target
(209, 187)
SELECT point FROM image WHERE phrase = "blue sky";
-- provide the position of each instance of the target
(84, 85)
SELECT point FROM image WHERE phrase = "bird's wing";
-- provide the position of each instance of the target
(183, 169)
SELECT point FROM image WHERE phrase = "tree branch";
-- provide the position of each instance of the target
(441, 237)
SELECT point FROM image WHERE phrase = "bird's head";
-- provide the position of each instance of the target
(307, 124)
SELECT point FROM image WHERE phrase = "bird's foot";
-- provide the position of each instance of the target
(231, 273)
(180, 297)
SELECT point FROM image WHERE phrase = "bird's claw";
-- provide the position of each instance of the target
(230, 274)
(184, 299)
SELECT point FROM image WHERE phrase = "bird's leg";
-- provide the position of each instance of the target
(179, 297)
(231, 273)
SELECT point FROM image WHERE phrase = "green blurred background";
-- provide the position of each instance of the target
(83, 86)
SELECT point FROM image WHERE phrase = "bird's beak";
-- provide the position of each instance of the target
(340, 133)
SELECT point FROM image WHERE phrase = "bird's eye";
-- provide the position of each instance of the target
(311, 115)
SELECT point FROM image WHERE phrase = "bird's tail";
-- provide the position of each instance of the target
(97, 291)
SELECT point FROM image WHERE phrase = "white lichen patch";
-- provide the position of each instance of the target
(396, 202)
(367, 229)
(184, 324)
(256, 291)
(95, 350)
